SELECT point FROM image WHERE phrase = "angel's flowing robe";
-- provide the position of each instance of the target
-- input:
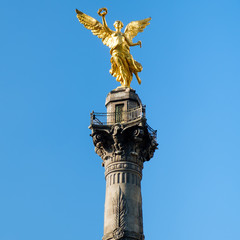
(123, 65)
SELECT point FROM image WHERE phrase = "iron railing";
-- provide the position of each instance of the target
(121, 117)
(152, 131)
(117, 117)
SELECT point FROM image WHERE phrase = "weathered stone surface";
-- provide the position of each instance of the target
(125, 95)
(123, 147)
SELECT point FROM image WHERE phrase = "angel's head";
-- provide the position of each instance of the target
(118, 25)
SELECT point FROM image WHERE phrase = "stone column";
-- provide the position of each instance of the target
(124, 143)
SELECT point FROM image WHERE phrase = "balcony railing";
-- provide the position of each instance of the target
(152, 131)
(117, 117)
(121, 117)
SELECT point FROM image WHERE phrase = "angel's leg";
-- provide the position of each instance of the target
(120, 70)
(138, 78)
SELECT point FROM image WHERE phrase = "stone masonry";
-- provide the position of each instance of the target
(124, 141)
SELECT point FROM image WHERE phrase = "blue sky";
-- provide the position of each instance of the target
(54, 73)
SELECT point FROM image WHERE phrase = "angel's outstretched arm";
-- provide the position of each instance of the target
(131, 44)
(103, 12)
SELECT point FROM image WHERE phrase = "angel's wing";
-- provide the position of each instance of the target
(133, 28)
(96, 27)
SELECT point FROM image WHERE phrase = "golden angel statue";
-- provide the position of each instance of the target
(122, 63)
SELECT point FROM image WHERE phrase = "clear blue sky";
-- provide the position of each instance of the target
(54, 73)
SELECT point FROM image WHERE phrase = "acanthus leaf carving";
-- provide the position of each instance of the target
(121, 141)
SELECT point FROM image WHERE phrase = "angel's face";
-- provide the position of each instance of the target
(118, 25)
